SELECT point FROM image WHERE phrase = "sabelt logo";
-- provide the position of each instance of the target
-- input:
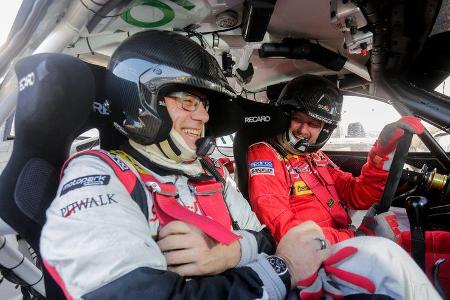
(324, 107)
(123, 166)
(325, 104)
(256, 119)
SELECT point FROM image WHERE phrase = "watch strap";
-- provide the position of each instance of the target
(285, 275)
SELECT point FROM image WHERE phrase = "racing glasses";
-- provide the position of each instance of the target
(189, 102)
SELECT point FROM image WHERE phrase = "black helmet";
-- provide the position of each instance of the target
(318, 98)
(146, 67)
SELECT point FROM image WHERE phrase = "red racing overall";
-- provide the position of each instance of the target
(287, 192)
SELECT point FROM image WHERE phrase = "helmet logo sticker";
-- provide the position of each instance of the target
(324, 103)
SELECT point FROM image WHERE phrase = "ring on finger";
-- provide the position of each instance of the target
(323, 243)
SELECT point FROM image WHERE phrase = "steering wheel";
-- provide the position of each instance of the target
(395, 172)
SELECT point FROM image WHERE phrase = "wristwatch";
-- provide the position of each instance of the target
(281, 268)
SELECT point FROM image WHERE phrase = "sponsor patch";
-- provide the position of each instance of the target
(120, 163)
(87, 203)
(261, 167)
(84, 181)
(301, 188)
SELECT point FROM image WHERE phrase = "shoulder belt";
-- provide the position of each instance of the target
(320, 164)
(325, 192)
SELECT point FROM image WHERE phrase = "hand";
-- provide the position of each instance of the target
(190, 252)
(382, 151)
(300, 248)
(384, 225)
(334, 274)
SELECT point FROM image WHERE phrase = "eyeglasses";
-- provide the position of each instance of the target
(188, 101)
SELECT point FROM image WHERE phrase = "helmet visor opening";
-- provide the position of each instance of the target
(161, 80)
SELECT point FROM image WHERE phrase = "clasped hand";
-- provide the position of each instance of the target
(190, 252)
(300, 248)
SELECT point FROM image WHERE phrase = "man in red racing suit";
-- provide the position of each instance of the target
(291, 181)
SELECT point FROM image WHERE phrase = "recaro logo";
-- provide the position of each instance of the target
(26, 81)
(257, 119)
(100, 108)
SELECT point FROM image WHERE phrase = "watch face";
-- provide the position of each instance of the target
(277, 264)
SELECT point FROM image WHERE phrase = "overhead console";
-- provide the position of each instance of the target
(351, 21)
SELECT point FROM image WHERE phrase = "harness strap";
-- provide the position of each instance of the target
(168, 209)
(217, 170)
(327, 200)
(325, 192)
(209, 196)
(320, 164)
(216, 221)
(326, 179)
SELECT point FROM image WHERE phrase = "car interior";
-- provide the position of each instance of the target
(393, 52)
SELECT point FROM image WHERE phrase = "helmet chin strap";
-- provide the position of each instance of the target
(299, 144)
(176, 148)
(176, 144)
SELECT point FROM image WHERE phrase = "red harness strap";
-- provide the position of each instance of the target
(337, 212)
(210, 199)
(324, 190)
(437, 246)
(319, 163)
(168, 209)
(216, 222)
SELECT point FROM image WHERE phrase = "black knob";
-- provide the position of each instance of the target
(416, 208)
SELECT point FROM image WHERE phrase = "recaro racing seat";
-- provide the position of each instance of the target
(261, 122)
(55, 105)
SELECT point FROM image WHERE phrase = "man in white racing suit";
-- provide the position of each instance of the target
(158, 219)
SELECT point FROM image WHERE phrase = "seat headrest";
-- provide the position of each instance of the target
(55, 98)
(261, 122)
